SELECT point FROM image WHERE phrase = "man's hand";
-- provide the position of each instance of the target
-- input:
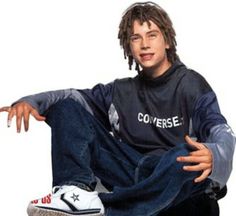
(21, 110)
(201, 157)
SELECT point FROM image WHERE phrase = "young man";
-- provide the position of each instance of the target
(169, 141)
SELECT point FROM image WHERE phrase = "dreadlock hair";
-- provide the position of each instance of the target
(146, 12)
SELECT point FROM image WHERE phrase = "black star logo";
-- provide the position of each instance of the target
(75, 197)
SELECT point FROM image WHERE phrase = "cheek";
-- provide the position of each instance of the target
(160, 47)
(134, 51)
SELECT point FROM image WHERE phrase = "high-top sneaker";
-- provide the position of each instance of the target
(67, 201)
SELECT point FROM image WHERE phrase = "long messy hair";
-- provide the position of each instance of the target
(146, 12)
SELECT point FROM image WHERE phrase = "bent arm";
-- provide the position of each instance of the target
(221, 142)
(42, 101)
(212, 129)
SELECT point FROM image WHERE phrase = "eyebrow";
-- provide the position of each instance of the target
(149, 32)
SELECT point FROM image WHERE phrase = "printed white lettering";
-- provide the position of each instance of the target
(140, 117)
(164, 123)
(158, 124)
(146, 118)
(174, 121)
(169, 123)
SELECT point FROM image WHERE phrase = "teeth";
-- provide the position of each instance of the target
(148, 54)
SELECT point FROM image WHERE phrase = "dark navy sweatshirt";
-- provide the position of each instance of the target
(154, 114)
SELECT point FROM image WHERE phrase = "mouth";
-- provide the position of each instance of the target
(146, 56)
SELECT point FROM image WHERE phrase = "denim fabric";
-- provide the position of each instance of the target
(141, 185)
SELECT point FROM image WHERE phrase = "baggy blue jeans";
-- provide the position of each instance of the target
(141, 185)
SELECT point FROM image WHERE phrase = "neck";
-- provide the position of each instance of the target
(157, 70)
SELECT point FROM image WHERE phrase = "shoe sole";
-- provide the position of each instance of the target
(35, 211)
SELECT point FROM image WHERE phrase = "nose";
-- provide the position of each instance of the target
(145, 44)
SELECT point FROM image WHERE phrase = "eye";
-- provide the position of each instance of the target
(152, 35)
(134, 38)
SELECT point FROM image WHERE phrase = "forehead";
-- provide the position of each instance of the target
(144, 27)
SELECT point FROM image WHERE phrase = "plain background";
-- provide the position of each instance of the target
(49, 45)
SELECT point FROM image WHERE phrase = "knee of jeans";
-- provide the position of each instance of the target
(66, 107)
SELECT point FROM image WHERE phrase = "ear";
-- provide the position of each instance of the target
(167, 46)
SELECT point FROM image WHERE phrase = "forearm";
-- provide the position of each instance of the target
(221, 142)
(43, 101)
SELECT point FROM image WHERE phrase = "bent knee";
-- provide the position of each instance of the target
(68, 108)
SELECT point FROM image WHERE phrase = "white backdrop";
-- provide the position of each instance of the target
(47, 45)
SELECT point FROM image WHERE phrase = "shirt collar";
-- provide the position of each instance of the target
(162, 78)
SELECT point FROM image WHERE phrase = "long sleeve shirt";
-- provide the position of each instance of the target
(153, 115)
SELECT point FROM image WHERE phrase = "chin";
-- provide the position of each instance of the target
(148, 67)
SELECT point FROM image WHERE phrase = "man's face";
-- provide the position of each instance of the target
(148, 47)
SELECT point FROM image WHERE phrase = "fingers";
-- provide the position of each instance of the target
(201, 163)
(193, 143)
(11, 114)
(201, 152)
(26, 121)
(22, 112)
(37, 116)
(19, 116)
(5, 109)
(194, 159)
(25, 113)
(198, 167)
(203, 176)
(206, 169)
(198, 156)
(200, 159)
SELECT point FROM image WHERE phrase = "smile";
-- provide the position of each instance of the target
(146, 56)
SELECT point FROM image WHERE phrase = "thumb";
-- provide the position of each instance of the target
(5, 109)
(192, 142)
(37, 116)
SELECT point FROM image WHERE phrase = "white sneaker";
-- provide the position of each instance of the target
(67, 201)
